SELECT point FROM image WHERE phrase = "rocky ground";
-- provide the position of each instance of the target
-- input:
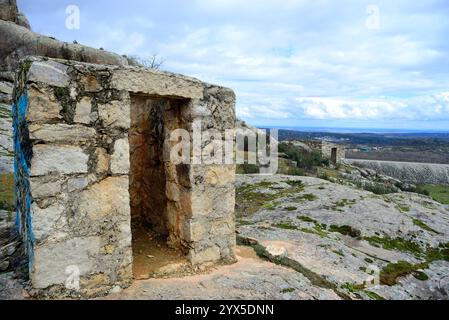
(250, 278)
(358, 243)
(411, 172)
(308, 238)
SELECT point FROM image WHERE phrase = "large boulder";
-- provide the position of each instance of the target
(10, 12)
(19, 42)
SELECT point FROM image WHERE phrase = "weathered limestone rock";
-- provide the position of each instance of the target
(77, 183)
(220, 175)
(102, 164)
(43, 105)
(153, 82)
(49, 72)
(83, 111)
(9, 12)
(115, 114)
(90, 83)
(61, 133)
(106, 198)
(120, 157)
(58, 158)
(51, 262)
(409, 172)
(44, 189)
(44, 220)
(6, 146)
(205, 255)
(25, 43)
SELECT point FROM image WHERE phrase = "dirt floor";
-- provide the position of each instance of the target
(249, 278)
(152, 257)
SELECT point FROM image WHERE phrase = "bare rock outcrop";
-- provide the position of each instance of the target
(357, 243)
(19, 42)
(10, 12)
(410, 172)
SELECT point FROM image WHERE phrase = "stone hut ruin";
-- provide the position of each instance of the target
(91, 174)
(334, 152)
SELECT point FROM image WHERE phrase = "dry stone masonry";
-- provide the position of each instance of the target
(334, 152)
(89, 144)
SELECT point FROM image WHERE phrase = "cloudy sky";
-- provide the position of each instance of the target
(362, 64)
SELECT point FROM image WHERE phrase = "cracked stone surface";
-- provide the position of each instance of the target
(306, 227)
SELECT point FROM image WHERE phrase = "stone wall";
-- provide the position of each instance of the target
(84, 145)
(6, 146)
(325, 148)
(18, 42)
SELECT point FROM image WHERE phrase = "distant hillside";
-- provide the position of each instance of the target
(371, 139)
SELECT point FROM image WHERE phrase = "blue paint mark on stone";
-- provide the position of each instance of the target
(22, 161)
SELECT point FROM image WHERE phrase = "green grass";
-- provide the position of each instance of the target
(440, 253)
(250, 198)
(285, 167)
(241, 222)
(317, 230)
(392, 271)
(306, 197)
(306, 219)
(373, 295)
(342, 203)
(290, 208)
(403, 208)
(296, 183)
(339, 252)
(352, 287)
(270, 205)
(7, 197)
(378, 188)
(368, 260)
(420, 275)
(346, 230)
(247, 169)
(287, 290)
(439, 193)
(286, 225)
(424, 226)
(399, 244)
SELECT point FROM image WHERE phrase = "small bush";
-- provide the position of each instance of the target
(379, 188)
(305, 160)
(391, 272)
(346, 230)
(247, 169)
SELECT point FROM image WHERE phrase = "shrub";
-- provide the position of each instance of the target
(247, 169)
(304, 159)
(379, 188)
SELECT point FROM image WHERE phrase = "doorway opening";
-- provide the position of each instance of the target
(155, 214)
(334, 155)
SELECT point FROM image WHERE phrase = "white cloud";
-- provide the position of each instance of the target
(287, 60)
